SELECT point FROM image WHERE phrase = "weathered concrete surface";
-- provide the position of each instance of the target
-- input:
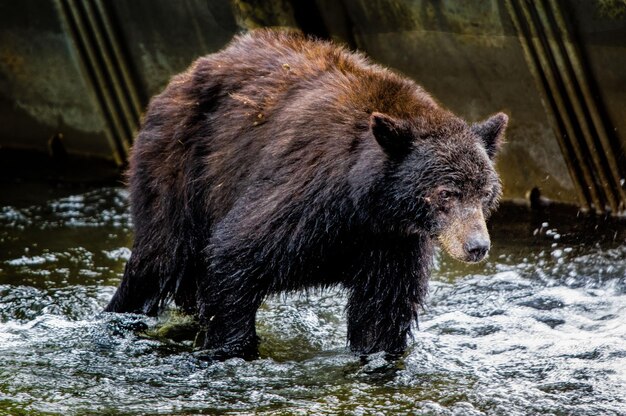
(468, 54)
(42, 91)
(44, 84)
(603, 27)
(163, 37)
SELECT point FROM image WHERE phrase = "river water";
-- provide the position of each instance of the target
(539, 329)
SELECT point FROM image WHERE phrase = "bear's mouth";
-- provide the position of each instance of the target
(471, 250)
(465, 237)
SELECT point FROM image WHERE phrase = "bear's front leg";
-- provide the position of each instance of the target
(227, 314)
(385, 295)
(379, 321)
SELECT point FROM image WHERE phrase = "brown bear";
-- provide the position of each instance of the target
(282, 163)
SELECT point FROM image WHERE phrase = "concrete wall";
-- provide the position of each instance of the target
(78, 73)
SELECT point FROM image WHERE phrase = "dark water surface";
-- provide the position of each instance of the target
(540, 329)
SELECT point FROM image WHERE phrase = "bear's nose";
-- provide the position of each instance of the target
(476, 248)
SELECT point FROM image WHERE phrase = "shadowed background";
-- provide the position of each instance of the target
(76, 75)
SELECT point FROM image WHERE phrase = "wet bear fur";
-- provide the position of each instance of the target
(283, 163)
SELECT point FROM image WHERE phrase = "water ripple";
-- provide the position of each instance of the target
(538, 329)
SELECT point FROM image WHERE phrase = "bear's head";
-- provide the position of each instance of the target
(440, 179)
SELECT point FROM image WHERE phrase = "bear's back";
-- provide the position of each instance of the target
(273, 107)
(260, 53)
(265, 67)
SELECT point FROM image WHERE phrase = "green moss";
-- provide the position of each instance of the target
(176, 326)
(251, 14)
(613, 9)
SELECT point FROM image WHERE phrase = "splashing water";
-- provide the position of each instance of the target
(538, 329)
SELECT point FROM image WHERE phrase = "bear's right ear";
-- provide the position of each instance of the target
(491, 131)
(393, 135)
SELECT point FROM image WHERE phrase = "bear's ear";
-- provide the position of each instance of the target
(492, 132)
(393, 135)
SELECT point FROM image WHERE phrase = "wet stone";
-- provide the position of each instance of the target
(564, 386)
(551, 322)
(543, 304)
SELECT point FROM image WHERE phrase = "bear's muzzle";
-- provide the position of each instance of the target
(466, 237)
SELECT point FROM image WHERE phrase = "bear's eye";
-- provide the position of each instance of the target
(446, 195)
